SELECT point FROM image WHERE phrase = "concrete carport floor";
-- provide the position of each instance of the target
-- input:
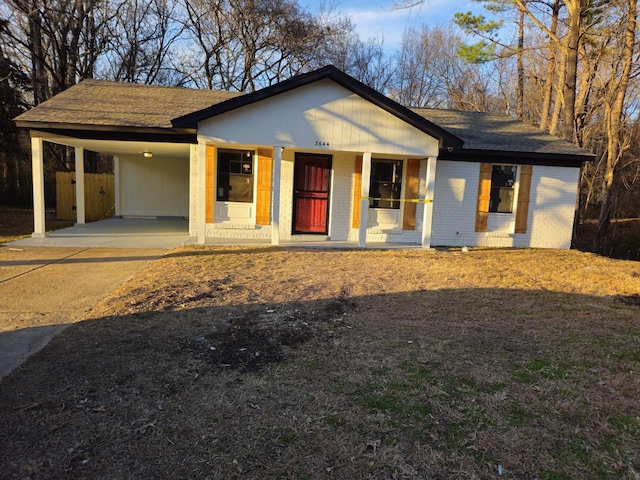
(166, 232)
(45, 289)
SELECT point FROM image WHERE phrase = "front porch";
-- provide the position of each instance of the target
(167, 233)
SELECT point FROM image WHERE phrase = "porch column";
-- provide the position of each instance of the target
(37, 169)
(364, 202)
(79, 163)
(116, 182)
(427, 217)
(275, 215)
(201, 209)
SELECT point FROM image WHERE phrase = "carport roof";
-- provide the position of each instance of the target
(104, 106)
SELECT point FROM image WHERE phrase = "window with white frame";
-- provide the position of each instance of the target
(503, 180)
(235, 176)
(385, 186)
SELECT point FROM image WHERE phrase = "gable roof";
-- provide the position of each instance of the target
(98, 109)
(329, 72)
(498, 134)
(104, 106)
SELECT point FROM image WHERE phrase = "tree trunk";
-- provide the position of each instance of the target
(574, 10)
(551, 68)
(559, 100)
(38, 72)
(614, 118)
(520, 67)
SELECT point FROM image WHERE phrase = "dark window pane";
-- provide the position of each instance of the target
(503, 179)
(386, 183)
(235, 176)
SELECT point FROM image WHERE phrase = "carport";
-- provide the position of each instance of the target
(132, 123)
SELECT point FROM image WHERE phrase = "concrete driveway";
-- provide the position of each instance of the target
(45, 289)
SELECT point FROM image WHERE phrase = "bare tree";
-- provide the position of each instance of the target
(430, 73)
(617, 139)
(140, 38)
(248, 44)
(61, 39)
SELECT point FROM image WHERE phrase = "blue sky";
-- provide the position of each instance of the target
(380, 19)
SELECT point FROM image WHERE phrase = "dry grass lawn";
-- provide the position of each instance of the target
(17, 222)
(312, 364)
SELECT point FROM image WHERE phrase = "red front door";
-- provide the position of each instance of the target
(312, 175)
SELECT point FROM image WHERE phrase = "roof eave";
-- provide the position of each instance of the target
(517, 158)
(112, 132)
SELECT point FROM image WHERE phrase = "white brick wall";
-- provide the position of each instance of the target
(554, 187)
(551, 208)
(341, 206)
(553, 194)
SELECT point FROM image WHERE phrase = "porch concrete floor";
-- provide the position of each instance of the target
(167, 233)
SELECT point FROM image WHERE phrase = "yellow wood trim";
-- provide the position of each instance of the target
(263, 202)
(357, 192)
(524, 192)
(210, 183)
(411, 192)
(484, 196)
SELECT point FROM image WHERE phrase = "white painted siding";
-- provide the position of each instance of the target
(551, 208)
(322, 115)
(153, 186)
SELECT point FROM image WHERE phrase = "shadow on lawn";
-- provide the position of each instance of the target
(429, 384)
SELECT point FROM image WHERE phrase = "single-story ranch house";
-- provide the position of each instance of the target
(320, 155)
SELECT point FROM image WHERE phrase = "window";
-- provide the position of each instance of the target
(386, 183)
(235, 176)
(503, 179)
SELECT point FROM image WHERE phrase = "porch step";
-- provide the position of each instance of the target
(310, 238)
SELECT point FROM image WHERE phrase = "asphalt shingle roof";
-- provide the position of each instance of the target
(103, 104)
(498, 132)
(119, 104)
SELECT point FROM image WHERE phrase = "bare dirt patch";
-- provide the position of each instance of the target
(292, 363)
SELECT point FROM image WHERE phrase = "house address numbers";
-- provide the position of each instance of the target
(321, 143)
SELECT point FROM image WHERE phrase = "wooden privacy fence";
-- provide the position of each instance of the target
(99, 196)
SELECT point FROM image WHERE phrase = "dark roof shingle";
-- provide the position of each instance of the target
(119, 104)
(498, 132)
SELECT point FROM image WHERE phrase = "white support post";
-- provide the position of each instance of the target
(201, 210)
(275, 185)
(116, 182)
(364, 202)
(427, 217)
(37, 168)
(80, 206)
(193, 190)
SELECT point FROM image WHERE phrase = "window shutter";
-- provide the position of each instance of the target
(357, 193)
(524, 189)
(263, 202)
(210, 182)
(484, 195)
(411, 193)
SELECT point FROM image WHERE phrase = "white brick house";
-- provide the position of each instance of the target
(318, 156)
